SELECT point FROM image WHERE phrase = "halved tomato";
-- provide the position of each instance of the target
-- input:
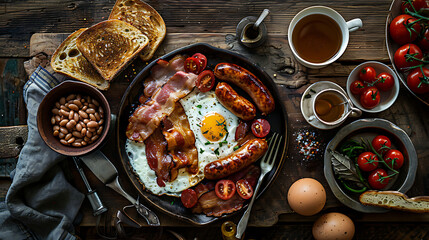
(260, 128)
(205, 81)
(203, 59)
(244, 189)
(225, 189)
(193, 65)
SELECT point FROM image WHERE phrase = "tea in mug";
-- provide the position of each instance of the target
(317, 38)
(328, 107)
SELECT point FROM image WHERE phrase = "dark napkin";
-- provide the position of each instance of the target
(40, 203)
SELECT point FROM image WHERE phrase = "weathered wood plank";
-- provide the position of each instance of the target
(12, 140)
(19, 20)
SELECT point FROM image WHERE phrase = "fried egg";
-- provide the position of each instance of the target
(214, 128)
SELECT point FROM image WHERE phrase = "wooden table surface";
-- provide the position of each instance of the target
(214, 22)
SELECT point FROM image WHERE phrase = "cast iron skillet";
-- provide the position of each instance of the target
(277, 119)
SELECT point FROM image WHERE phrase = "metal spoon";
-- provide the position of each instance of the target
(261, 18)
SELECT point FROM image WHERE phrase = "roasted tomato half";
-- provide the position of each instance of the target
(225, 189)
(205, 81)
(193, 65)
(203, 60)
(260, 128)
(244, 189)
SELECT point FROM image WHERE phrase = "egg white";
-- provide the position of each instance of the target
(196, 106)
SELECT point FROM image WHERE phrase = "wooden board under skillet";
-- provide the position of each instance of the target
(277, 119)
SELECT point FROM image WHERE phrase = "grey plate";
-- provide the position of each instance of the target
(370, 128)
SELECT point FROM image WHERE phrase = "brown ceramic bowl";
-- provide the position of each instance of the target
(44, 115)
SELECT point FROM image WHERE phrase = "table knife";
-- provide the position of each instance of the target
(104, 170)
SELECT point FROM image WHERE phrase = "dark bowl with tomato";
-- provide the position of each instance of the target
(379, 135)
(400, 44)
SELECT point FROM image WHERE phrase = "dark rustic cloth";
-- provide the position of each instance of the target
(40, 203)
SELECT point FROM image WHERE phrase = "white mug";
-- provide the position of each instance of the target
(345, 27)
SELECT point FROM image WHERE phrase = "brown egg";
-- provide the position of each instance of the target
(333, 226)
(306, 196)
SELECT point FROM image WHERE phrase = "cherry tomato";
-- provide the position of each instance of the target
(367, 74)
(203, 59)
(378, 179)
(394, 159)
(367, 161)
(415, 5)
(418, 83)
(244, 189)
(404, 29)
(189, 198)
(260, 128)
(381, 144)
(242, 129)
(357, 87)
(423, 43)
(205, 81)
(225, 189)
(385, 81)
(370, 98)
(193, 65)
(405, 56)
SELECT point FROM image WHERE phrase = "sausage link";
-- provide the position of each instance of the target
(231, 100)
(243, 157)
(244, 79)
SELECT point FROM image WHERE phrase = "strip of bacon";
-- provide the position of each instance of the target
(161, 72)
(157, 157)
(147, 117)
(181, 140)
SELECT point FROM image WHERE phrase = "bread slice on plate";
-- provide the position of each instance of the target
(395, 200)
(110, 46)
(145, 18)
(68, 60)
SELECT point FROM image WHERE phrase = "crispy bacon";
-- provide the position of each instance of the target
(211, 205)
(147, 117)
(157, 156)
(161, 72)
(181, 140)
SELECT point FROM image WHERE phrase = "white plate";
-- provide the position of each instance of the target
(307, 109)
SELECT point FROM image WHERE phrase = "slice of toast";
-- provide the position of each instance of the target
(395, 200)
(145, 18)
(110, 46)
(68, 60)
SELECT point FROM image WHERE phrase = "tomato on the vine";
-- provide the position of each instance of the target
(394, 159)
(367, 74)
(244, 189)
(404, 29)
(417, 82)
(381, 144)
(370, 98)
(357, 87)
(385, 81)
(378, 179)
(415, 5)
(423, 43)
(367, 161)
(225, 189)
(407, 56)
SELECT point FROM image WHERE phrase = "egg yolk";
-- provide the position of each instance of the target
(213, 127)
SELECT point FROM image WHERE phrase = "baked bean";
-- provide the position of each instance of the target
(85, 104)
(83, 114)
(86, 121)
(91, 105)
(95, 102)
(92, 130)
(84, 107)
(77, 144)
(101, 122)
(90, 110)
(83, 132)
(58, 105)
(62, 100)
(89, 134)
(68, 136)
(64, 108)
(70, 97)
(97, 116)
(73, 107)
(64, 113)
(76, 117)
(71, 140)
(100, 110)
(56, 133)
(70, 125)
(64, 122)
(56, 128)
(71, 114)
(61, 135)
(67, 105)
(92, 124)
(77, 134)
(92, 117)
(64, 142)
(57, 118)
(100, 130)
(64, 130)
(86, 139)
(78, 127)
(55, 111)
(83, 143)
(78, 97)
(77, 103)
(52, 120)
(82, 124)
(95, 137)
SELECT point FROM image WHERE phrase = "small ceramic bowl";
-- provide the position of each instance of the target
(386, 98)
(44, 115)
(367, 129)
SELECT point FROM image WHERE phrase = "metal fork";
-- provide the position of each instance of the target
(267, 163)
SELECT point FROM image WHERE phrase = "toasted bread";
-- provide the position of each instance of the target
(69, 61)
(143, 17)
(110, 46)
(395, 200)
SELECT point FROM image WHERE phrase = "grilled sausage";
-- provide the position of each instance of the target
(249, 83)
(243, 157)
(235, 103)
